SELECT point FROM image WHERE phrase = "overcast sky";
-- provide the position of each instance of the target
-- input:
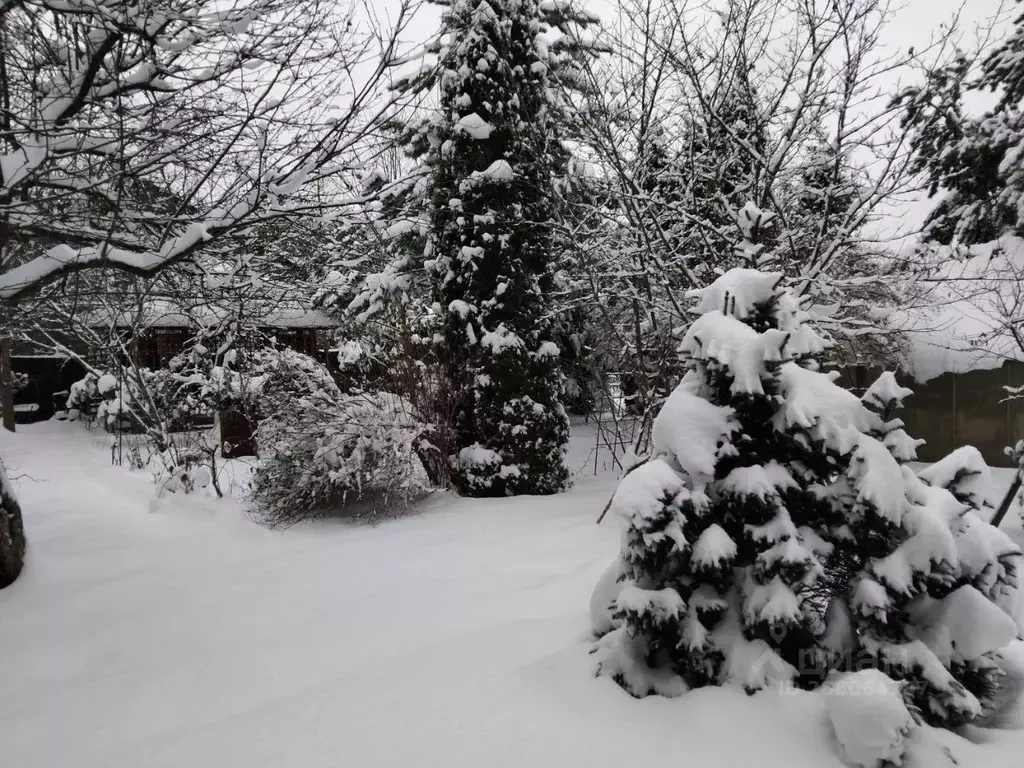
(912, 24)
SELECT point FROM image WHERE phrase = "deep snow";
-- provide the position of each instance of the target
(191, 637)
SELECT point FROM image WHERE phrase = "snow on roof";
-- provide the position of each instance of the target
(167, 313)
(961, 323)
(297, 317)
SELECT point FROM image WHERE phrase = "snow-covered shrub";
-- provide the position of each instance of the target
(19, 381)
(227, 370)
(221, 368)
(387, 342)
(778, 531)
(277, 379)
(217, 369)
(869, 716)
(154, 404)
(602, 601)
(104, 398)
(84, 396)
(186, 468)
(12, 532)
(321, 448)
(127, 400)
(245, 371)
(320, 453)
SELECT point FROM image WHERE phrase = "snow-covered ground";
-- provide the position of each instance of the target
(190, 637)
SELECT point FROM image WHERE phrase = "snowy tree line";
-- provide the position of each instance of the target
(633, 159)
(681, 143)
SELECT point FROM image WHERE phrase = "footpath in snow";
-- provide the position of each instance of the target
(456, 637)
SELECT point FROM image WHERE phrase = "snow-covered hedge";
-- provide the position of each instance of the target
(321, 453)
(778, 532)
(321, 448)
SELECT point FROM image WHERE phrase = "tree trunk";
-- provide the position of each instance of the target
(1004, 507)
(433, 459)
(6, 385)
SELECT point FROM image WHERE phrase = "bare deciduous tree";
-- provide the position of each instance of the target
(136, 135)
(763, 134)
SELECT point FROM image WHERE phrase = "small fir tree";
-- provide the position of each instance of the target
(779, 514)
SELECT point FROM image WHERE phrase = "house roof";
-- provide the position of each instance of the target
(968, 317)
(169, 313)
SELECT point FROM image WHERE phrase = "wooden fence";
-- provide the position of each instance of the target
(957, 409)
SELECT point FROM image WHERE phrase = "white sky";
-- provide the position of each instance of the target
(912, 21)
(912, 24)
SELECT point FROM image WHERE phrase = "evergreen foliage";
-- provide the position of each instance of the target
(976, 160)
(492, 157)
(778, 533)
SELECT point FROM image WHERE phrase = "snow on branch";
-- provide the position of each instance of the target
(137, 136)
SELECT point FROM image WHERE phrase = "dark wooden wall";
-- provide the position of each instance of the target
(958, 409)
(156, 347)
(47, 375)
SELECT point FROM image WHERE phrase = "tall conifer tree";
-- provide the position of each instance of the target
(492, 159)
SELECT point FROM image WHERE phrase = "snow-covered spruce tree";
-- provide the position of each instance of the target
(974, 160)
(12, 533)
(490, 250)
(712, 543)
(777, 531)
(953, 579)
(989, 565)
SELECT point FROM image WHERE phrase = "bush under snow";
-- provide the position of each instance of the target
(869, 716)
(778, 531)
(324, 451)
